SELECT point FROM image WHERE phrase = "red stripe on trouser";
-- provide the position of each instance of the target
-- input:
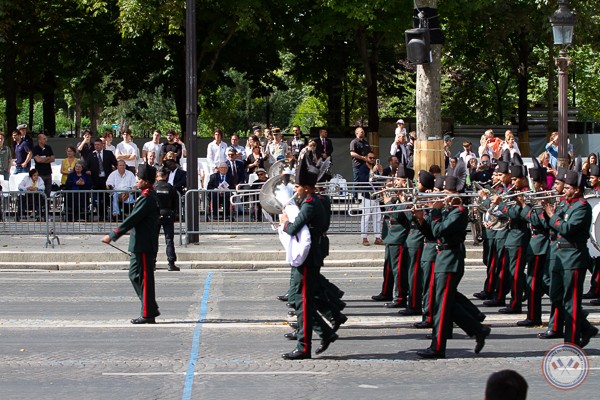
(575, 283)
(431, 288)
(399, 282)
(501, 277)
(413, 292)
(304, 313)
(491, 279)
(516, 277)
(596, 279)
(386, 278)
(443, 313)
(144, 286)
(553, 313)
(531, 304)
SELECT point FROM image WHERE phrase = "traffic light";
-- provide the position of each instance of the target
(417, 46)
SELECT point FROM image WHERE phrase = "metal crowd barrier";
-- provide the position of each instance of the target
(25, 213)
(93, 211)
(218, 216)
(90, 212)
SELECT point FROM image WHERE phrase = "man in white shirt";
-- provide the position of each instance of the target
(277, 149)
(154, 145)
(240, 150)
(467, 152)
(128, 151)
(121, 180)
(216, 152)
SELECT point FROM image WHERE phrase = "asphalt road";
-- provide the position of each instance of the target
(66, 335)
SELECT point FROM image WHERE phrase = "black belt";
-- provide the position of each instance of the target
(568, 245)
(431, 241)
(446, 246)
(517, 225)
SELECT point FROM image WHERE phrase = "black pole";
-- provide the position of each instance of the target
(191, 119)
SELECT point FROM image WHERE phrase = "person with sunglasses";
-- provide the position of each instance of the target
(484, 170)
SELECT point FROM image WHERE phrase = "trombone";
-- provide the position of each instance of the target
(487, 190)
(419, 200)
(391, 192)
(239, 197)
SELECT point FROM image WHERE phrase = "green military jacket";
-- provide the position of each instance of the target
(553, 235)
(143, 222)
(384, 228)
(450, 228)
(397, 225)
(313, 215)
(573, 228)
(519, 232)
(430, 242)
(540, 232)
(415, 237)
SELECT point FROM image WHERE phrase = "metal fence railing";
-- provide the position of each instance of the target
(25, 213)
(216, 214)
(93, 212)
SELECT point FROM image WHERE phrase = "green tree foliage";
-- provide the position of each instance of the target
(331, 62)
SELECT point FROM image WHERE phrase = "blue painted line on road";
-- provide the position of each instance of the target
(191, 369)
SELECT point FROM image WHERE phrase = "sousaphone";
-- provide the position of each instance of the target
(276, 193)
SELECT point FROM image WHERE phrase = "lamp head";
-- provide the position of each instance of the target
(563, 24)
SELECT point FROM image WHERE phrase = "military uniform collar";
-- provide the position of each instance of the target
(146, 192)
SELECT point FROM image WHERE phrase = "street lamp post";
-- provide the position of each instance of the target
(563, 22)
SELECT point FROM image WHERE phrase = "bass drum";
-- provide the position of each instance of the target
(594, 240)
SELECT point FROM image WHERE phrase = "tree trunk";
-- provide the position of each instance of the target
(346, 104)
(334, 102)
(31, 109)
(78, 98)
(368, 49)
(94, 112)
(10, 83)
(522, 82)
(429, 113)
(48, 103)
(179, 94)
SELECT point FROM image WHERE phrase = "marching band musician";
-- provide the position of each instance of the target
(428, 264)
(305, 279)
(572, 225)
(329, 298)
(516, 243)
(555, 323)
(497, 260)
(488, 236)
(449, 227)
(594, 292)
(537, 250)
(387, 287)
(395, 240)
(414, 251)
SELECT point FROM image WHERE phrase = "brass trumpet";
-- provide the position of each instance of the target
(390, 192)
